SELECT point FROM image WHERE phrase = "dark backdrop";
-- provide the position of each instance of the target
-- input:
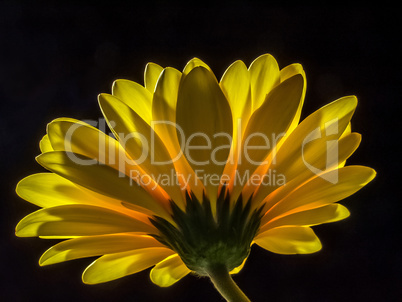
(56, 58)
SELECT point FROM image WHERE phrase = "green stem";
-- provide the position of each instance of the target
(224, 283)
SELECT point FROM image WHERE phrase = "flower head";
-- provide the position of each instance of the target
(195, 172)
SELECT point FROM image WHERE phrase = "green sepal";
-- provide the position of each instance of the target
(202, 240)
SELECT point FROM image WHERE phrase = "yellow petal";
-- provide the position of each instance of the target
(204, 116)
(169, 271)
(264, 75)
(286, 73)
(317, 156)
(51, 190)
(309, 138)
(114, 266)
(95, 246)
(352, 141)
(164, 110)
(165, 96)
(321, 190)
(289, 240)
(78, 220)
(323, 155)
(327, 123)
(239, 268)
(235, 84)
(48, 190)
(164, 121)
(193, 63)
(151, 75)
(101, 179)
(347, 131)
(290, 71)
(273, 117)
(142, 144)
(325, 214)
(45, 145)
(134, 96)
(267, 126)
(75, 136)
(72, 135)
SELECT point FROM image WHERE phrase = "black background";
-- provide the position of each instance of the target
(55, 59)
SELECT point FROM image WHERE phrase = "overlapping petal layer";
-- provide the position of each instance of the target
(209, 135)
(113, 266)
(78, 220)
(91, 246)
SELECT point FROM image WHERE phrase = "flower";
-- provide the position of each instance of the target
(197, 172)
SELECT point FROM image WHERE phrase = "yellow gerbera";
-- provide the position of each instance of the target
(198, 171)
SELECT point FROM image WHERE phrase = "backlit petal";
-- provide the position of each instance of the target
(114, 266)
(348, 130)
(164, 110)
(317, 156)
(322, 190)
(235, 84)
(346, 133)
(72, 135)
(151, 75)
(307, 144)
(50, 190)
(267, 126)
(45, 145)
(289, 240)
(96, 246)
(239, 268)
(264, 75)
(327, 123)
(164, 119)
(100, 178)
(169, 271)
(165, 96)
(205, 118)
(286, 73)
(78, 220)
(325, 214)
(134, 96)
(141, 142)
(193, 63)
(290, 71)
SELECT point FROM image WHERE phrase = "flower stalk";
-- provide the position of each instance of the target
(224, 283)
